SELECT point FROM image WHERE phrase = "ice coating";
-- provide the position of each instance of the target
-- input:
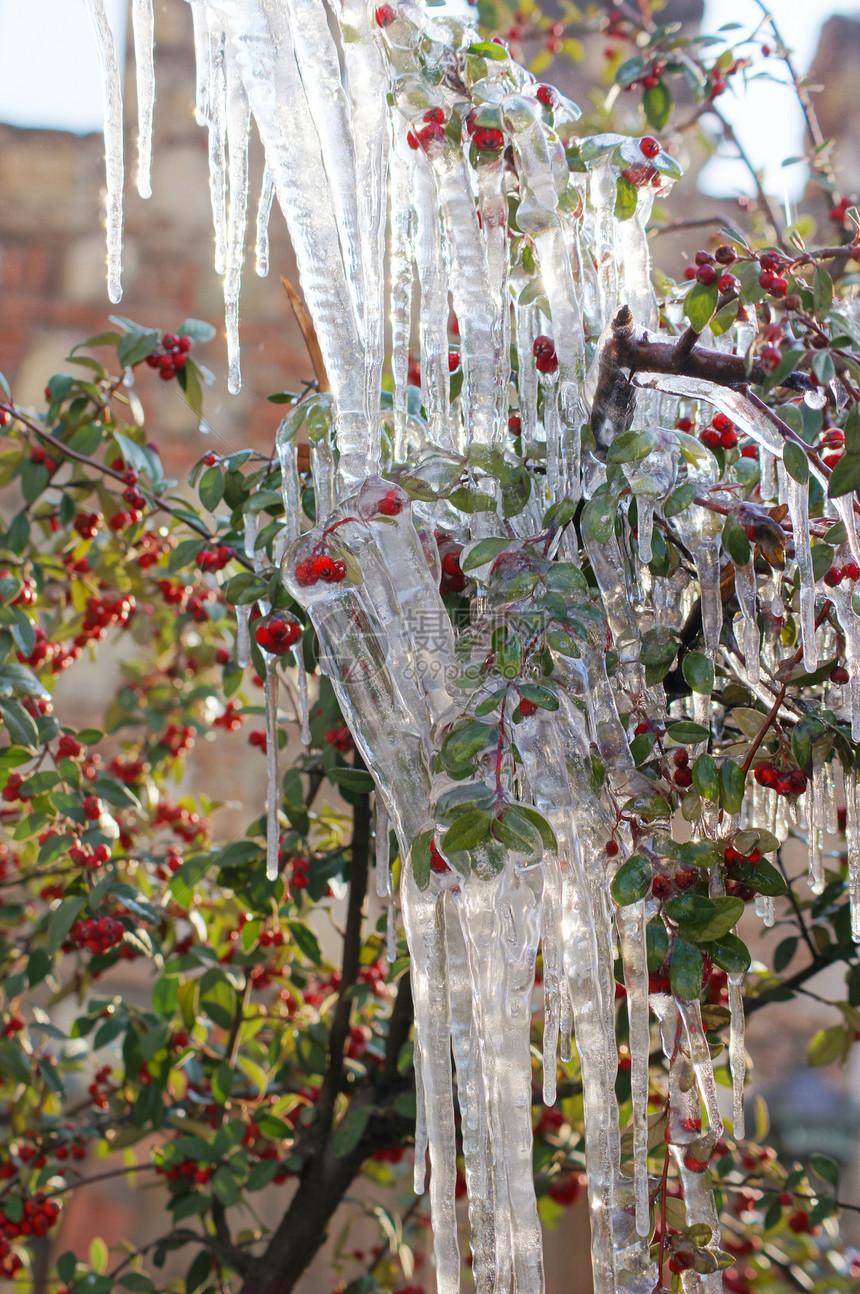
(373, 194)
(114, 168)
(143, 26)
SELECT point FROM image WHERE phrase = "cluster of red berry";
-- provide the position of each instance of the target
(98, 1088)
(430, 132)
(720, 434)
(214, 559)
(487, 139)
(834, 575)
(277, 633)
(89, 858)
(789, 782)
(663, 885)
(546, 360)
(705, 269)
(331, 570)
(96, 934)
(13, 1025)
(839, 212)
(682, 776)
(38, 455)
(340, 738)
(392, 504)
(38, 1215)
(25, 596)
(185, 823)
(258, 739)
(171, 356)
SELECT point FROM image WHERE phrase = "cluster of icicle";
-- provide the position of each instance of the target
(366, 208)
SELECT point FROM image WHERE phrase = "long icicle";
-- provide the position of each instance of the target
(143, 23)
(114, 169)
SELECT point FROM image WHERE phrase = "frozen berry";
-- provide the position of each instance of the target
(833, 576)
(488, 140)
(547, 96)
(706, 274)
(725, 255)
(276, 633)
(385, 15)
(650, 146)
(527, 708)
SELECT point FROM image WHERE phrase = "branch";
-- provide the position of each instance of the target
(358, 874)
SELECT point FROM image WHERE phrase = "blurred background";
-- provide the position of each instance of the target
(53, 294)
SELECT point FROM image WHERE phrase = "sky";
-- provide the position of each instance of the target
(50, 77)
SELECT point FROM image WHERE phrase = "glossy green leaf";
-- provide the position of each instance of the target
(632, 881)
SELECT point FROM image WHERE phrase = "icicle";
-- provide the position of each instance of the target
(424, 920)
(391, 932)
(817, 815)
(644, 526)
(850, 623)
(764, 909)
(831, 816)
(552, 431)
(551, 943)
(238, 134)
(217, 123)
(797, 497)
(852, 840)
(144, 59)
(402, 244)
(631, 930)
(737, 1053)
(264, 211)
(243, 637)
(745, 589)
(383, 870)
(273, 790)
(112, 92)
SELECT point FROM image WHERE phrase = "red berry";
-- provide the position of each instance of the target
(169, 340)
(703, 258)
(681, 759)
(527, 708)
(690, 272)
(684, 424)
(488, 140)
(769, 260)
(728, 439)
(167, 373)
(694, 1165)
(650, 146)
(683, 777)
(451, 564)
(277, 634)
(390, 505)
(770, 358)
(725, 255)
(710, 438)
(766, 775)
(706, 274)
(779, 287)
(515, 424)
(453, 361)
(851, 571)
(547, 96)
(305, 573)
(611, 848)
(833, 577)
(683, 1261)
(721, 422)
(749, 451)
(322, 567)
(435, 115)
(185, 343)
(385, 15)
(839, 674)
(766, 279)
(729, 285)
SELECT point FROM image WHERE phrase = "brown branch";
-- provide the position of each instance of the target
(358, 875)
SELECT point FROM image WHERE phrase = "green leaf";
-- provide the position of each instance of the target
(698, 670)
(796, 462)
(211, 488)
(62, 919)
(350, 1130)
(197, 329)
(632, 881)
(468, 830)
(784, 952)
(19, 724)
(200, 1268)
(657, 944)
(540, 696)
(686, 970)
(687, 733)
(631, 447)
(736, 542)
(306, 941)
(547, 835)
(13, 1062)
(352, 779)
(135, 346)
(822, 290)
(485, 550)
(217, 997)
(700, 304)
(762, 877)
(846, 476)
(626, 198)
(690, 907)
(657, 104)
(729, 953)
(728, 913)
(731, 786)
(420, 858)
(223, 1078)
(706, 777)
(826, 1168)
(827, 1045)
